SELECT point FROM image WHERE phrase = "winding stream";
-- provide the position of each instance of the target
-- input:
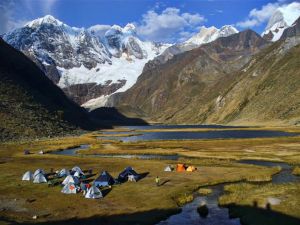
(72, 152)
(219, 215)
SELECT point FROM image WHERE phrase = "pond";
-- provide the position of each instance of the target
(192, 135)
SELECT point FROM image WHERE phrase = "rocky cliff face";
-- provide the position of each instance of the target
(292, 31)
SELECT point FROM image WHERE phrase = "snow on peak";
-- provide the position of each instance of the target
(112, 56)
(227, 30)
(99, 30)
(281, 19)
(48, 19)
(290, 12)
(209, 34)
(116, 28)
(129, 28)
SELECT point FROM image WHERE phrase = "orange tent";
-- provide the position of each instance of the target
(191, 169)
(180, 167)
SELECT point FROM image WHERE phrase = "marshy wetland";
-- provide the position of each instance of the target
(220, 163)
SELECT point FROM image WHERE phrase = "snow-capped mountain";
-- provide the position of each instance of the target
(209, 34)
(86, 63)
(281, 19)
(205, 35)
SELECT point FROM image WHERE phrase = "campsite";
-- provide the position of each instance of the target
(111, 202)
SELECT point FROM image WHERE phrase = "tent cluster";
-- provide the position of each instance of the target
(181, 168)
(74, 180)
(37, 177)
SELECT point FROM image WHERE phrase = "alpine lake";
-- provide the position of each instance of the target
(245, 175)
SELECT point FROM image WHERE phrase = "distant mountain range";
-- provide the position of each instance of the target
(85, 63)
(92, 64)
(239, 79)
(215, 76)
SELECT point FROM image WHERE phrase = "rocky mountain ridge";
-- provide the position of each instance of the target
(111, 60)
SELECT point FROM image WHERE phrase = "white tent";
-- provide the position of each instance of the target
(70, 179)
(132, 178)
(168, 169)
(27, 176)
(93, 192)
(38, 171)
(40, 178)
(77, 169)
(41, 152)
(64, 172)
(77, 174)
(69, 188)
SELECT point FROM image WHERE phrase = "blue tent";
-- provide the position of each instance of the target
(105, 179)
(128, 171)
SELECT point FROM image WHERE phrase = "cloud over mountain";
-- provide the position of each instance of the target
(162, 26)
(257, 17)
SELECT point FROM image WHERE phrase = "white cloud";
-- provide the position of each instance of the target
(48, 6)
(257, 17)
(7, 20)
(44, 6)
(168, 25)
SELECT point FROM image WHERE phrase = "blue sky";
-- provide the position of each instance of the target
(164, 20)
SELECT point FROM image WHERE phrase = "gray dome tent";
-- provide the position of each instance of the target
(93, 192)
(39, 178)
(38, 171)
(70, 179)
(63, 173)
(77, 169)
(69, 188)
(168, 169)
(27, 176)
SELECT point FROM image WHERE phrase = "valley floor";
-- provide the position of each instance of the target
(134, 203)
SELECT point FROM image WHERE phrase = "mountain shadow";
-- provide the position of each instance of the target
(252, 215)
(31, 106)
(146, 218)
(249, 215)
(113, 117)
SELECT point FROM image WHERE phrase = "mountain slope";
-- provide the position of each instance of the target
(267, 90)
(100, 59)
(206, 85)
(170, 92)
(31, 105)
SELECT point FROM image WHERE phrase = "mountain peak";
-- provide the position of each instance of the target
(48, 19)
(281, 19)
(209, 34)
(129, 28)
(228, 28)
